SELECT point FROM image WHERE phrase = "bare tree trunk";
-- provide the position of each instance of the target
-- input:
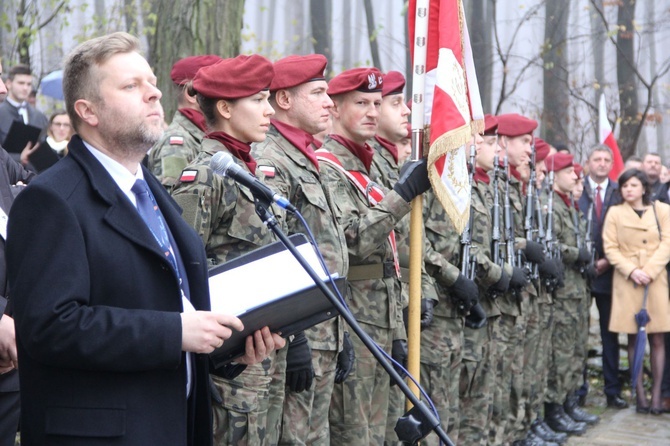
(598, 31)
(321, 14)
(372, 34)
(555, 119)
(130, 13)
(651, 13)
(190, 28)
(479, 13)
(346, 31)
(23, 38)
(99, 16)
(628, 100)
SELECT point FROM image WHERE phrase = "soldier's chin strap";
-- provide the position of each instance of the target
(419, 421)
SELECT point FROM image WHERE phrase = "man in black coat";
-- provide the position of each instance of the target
(598, 187)
(15, 107)
(652, 165)
(11, 173)
(110, 291)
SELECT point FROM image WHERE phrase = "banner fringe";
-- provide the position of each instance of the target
(443, 145)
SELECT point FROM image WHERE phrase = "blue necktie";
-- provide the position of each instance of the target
(148, 209)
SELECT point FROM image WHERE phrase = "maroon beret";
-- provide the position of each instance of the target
(367, 80)
(295, 70)
(490, 125)
(512, 124)
(394, 82)
(542, 149)
(234, 78)
(558, 161)
(184, 69)
(578, 169)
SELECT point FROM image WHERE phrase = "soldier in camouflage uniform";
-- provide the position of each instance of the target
(477, 374)
(392, 129)
(582, 330)
(538, 364)
(367, 215)
(181, 141)
(288, 160)
(519, 305)
(568, 300)
(223, 213)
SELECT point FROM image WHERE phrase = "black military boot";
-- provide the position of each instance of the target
(542, 430)
(575, 412)
(558, 421)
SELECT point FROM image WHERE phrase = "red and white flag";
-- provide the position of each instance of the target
(456, 111)
(606, 136)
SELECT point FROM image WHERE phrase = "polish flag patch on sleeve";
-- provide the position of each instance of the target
(268, 171)
(188, 176)
(177, 140)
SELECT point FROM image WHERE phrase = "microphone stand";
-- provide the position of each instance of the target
(420, 420)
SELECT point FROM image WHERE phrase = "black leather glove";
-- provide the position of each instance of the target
(477, 317)
(584, 256)
(534, 252)
(548, 269)
(520, 278)
(299, 369)
(590, 273)
(503, 283)
(345, 360)
(464, 293)
(399, 354)
(413, 180)
(427, 313)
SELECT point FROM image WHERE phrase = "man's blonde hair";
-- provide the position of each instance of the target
(79, 78)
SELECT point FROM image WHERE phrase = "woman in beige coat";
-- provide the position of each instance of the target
(636, 240)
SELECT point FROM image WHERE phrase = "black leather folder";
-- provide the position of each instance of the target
(287, 315)
(19, 135)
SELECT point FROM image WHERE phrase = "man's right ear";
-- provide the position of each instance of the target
(87, 112)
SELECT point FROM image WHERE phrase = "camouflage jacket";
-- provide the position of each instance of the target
(296, 178)
(488, 273)
(220, 210)
(385, 170)
(564, 231)
(442, 252)
(372, 300)
(175, 150)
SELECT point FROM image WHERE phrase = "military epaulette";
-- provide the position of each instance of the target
(188, 176)
(176, 140)
(268, 171)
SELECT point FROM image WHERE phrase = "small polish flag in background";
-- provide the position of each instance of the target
(606, 136)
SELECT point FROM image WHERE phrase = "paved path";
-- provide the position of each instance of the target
(626, 428)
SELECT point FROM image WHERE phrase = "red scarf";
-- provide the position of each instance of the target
(362, 152)
(195, 117)
(299, 138)
(237, 148)
(565, 198)
(481, 175)
(515, 173)
(388, 145)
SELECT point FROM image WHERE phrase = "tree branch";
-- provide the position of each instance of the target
(52, 16)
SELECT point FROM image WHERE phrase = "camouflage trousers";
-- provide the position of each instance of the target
(359, 406)
(305, 418)
(582, 344)
(564, 368)
(508, 387)
(276, 397)
(441, 357)
(518, 422)
(397, 408)
(241, 418)
(476, 383)
(540, 367)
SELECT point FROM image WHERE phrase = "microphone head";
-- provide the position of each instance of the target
(221, 162)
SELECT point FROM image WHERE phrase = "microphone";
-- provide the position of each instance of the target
(223, 164)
